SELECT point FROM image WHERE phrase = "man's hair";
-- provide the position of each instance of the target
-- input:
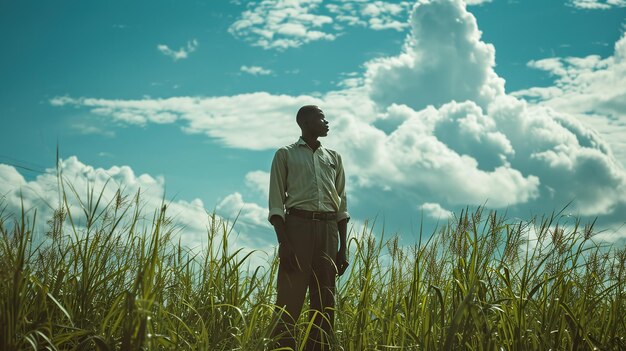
(304, 112)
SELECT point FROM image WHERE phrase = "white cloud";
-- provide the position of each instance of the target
(477, 2)
(591, 88)
(182, 52)
(598, 4)
(42, 193)
(234, 120)
(258, 181)
(444, 59)
(85, 128)
(61, 100)
(256, 70)
(189, 217)
(249, 213)
(456, 154)
(10, 178)
(376, 15)
(105, 154)
(282, 24)
(572, 161)
(414, 156)
(435, 210)
(432, 125)
(234, 206)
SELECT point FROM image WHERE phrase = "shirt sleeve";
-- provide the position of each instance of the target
(278, 185)
(340, 186)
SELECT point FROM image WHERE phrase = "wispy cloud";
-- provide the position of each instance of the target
(231, 119)
(282, 24)
(597, 4)
(105, 154)
(435, 211)
(477, 2)
(256, 70)
(376, 15)
(182, 53)
(85, 128)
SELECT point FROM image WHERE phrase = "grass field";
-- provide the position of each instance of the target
(111, 276)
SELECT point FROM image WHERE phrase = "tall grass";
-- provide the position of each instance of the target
(111, 276)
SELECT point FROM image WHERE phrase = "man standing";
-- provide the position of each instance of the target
(307, 207)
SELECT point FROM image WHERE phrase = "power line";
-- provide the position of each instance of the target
(22, 162)
(24, 165)
(29, 169)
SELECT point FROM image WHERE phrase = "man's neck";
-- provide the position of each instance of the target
(311, 141)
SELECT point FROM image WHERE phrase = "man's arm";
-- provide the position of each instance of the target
(340, 187)
(279, 227)
(278, 189)
(278, 186)
(342, 225)
(286, 254)
(342, 218)
(342, 258)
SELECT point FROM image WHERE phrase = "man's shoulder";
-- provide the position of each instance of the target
(287, 148)
(284, 150)
(332, 152)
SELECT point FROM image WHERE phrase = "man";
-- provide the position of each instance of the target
(307, 203)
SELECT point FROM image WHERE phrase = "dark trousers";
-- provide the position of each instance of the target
(315, 245)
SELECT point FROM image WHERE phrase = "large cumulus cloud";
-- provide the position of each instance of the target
(591, 88)
(190, 218)
(442, 60)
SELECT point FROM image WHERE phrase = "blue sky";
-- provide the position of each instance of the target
(436, 105)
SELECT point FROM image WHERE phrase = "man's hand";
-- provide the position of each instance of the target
(342, 262)
(288, 258)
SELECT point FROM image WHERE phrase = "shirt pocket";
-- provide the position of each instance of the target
(329, 168)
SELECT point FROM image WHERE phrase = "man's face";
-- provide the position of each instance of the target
(318, 124)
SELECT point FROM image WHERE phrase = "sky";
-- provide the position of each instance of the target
(435, 106)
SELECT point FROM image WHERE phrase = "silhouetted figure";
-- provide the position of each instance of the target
(307, 203)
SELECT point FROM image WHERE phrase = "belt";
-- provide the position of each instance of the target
(316, 216)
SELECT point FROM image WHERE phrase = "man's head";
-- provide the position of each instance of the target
(312, 121)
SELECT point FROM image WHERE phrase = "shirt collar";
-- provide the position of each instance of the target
(301, 142)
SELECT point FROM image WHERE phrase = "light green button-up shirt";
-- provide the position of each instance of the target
(308, 180)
